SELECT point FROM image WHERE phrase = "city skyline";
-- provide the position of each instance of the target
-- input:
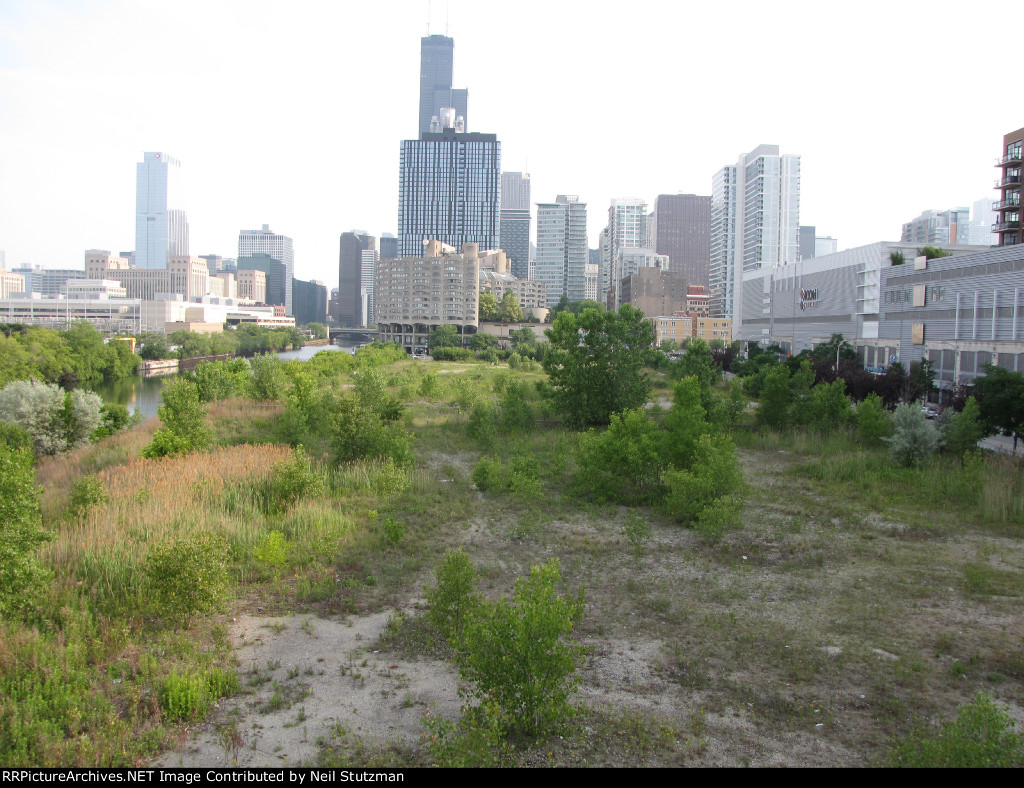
(332, 165)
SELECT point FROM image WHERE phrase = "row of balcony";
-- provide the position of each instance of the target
(1013, 157)
(1009, 180)
(1011, 202)
(1002, 227)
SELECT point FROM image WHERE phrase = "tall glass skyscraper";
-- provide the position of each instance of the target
(436, 92)
(159, 229)
(449, 190)
(515, 221)
(755, 223)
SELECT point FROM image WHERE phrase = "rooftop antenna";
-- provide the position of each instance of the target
(446, 5)
(428, 17)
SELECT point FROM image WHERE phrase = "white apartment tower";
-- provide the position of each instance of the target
(562, 253)
(627, 229)
(755, 223)
(279, 247)
(368, 260)
(160, 230)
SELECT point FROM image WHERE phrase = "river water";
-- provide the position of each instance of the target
(140, 394)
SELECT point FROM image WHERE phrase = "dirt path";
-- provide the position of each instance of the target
(302, 677)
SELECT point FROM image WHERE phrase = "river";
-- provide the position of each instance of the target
(142, 395)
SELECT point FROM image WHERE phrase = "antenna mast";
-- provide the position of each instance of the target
(428, 17)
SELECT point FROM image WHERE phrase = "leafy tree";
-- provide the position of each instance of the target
(184, 419)
(962, 431)
(56, 420)
(455, 597)
(357, 432)
(922, 376)
(16, 363)
(685, 422)
(153, 347)
(773, 411)
(595, 362)
(714, 473)
(1001, 396)
(516, 412)
(523, 337)
(696, 361)
(488, 306)
(317, 330)
(624, 462)
(668, 345)
(21, 531)
(873, 420)
(268, 383)
(829, 406)
(219, 380)
(517, 653)
(914, 438)
(509, 310)
(445, 335)
(479, 342)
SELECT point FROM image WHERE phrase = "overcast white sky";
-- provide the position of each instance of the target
(291, 114)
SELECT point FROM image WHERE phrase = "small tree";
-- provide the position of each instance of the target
(184, 419)
(455, 597)
(317, 330)
(56, 420)
(685, 423)
(187, 577)
(487, 306)
(624, 462)
(518, 655)
(21, 531)
(962, 431)
(443, 336)
(595, 364)
(268, 383)
(509, 310)
(873, 421)
(914, 437)
(1001, 398)
(773, 411)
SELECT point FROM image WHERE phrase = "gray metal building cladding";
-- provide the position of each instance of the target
(515, 240)
(972, 312)
(449, 190)
(350, 277)
(436, 60)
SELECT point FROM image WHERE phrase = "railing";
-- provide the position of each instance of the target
(1009, 158)
(1009, 180)
(999, 227)
(1000, 205)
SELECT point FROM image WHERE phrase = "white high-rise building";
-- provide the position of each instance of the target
(627, 229)
(368, 273)
(755, 223)
(562, 252)
(161, 226)
(279, 247)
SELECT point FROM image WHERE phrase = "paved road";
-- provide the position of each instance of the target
(1001, 443)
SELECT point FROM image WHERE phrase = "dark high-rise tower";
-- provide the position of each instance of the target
(350, 276)
(436, 58)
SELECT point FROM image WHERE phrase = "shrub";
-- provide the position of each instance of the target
(914, 437)
(982, 736)
(21, 531)
(56, 420)
(272, 550)
(715, 472)
(357, 432)
(455, 595)
(516, 412)
(487, 475)
(962, 431)
(187, 576)
(14, 437)
(773, 411)
(269, 381)
(480, 424)
(624, 462)
(114, 417)
(719, 517)
(429, 386)
(184, 419)
(518, 656)
(87, 492)
(685, 423)
(451, 354)
(290, 481)
(830, 408)
(191, 695)
(477, 740)
(873, 421)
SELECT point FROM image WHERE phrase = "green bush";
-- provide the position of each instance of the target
(272, 550)
(517, 653)
(268, 382)
(429, 386)
(290, 481)
(455, 596)
(184, 419)
(188, 576)
(981, 737)
(719, 517)
(516, 413)
(873, 421)
(357, 432)
(715, 473)
(191, 695)
(962, 431)
(476, 741)
(87, 492)
(451, 354)
(623, 463)
(480, 424)
(21, 532)
(914, 438)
